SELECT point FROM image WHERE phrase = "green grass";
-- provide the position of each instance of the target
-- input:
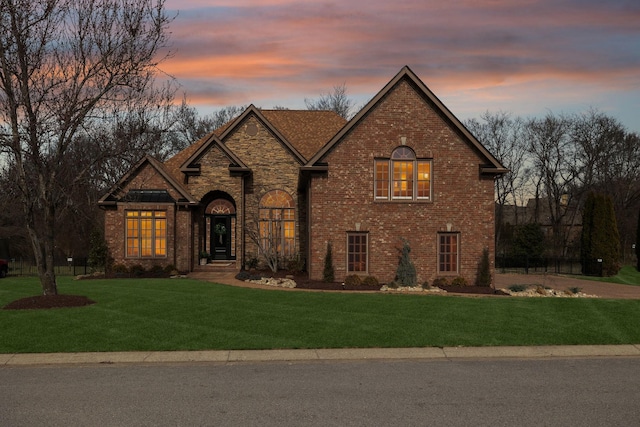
(183, 314)
(627, 275)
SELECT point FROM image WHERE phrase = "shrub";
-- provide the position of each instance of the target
(243, 275)
(157, 271)
(137, 270)
(328, 273)
(518, 288)
(440, 281)
(406, 272)
(600, 238)
(169, 269)
(370, 281)
(459, 281)
(119, 270)
(353, 280)
(295, 265)
(251, 263)
(425, 285)
(484, 270)
(98, 252)
(575, 290)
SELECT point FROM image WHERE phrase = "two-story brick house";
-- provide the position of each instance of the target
(404, 168)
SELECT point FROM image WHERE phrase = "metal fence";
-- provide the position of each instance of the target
(62, 267)
(528, 265)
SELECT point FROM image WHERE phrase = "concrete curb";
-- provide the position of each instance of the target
(241, 356)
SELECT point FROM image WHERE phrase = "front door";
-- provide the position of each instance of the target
(220, 237)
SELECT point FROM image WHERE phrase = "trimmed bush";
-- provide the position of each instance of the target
(243, 275)
(459, 281)
(484, 270)
(137, 270)
(251, 263)
(406, 272)
(328, 273)
(518, 288)
(119, 270)
(440, 281)
(296, 265)
(157, 271)
(353, 280)
(370, 281)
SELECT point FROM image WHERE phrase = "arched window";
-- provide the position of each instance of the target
(278, 223)
(402, 176)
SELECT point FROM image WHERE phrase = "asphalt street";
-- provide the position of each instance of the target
(408, 392)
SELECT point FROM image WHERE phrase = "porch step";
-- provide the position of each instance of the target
(216, 267)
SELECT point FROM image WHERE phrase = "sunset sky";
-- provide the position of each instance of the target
(527, 57)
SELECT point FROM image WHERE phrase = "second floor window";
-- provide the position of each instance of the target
(403, 176)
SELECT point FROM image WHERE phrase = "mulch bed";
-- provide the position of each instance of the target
(303, 282)
(478, 290)
(48, 301)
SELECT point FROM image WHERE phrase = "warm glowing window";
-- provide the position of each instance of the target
(410, 178)
(146, 234)
(357, 261)
(278, 223)
(448, 252)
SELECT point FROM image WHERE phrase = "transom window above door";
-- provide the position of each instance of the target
(403, 176)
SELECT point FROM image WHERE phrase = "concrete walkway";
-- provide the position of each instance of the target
(315, 355)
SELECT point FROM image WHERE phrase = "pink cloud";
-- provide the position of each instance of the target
(280, 49)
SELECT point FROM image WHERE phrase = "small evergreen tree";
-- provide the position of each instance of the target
(600, 239)
(528, 241)
(98, 252)
(484, 270)
(406, 272)
(328, 273)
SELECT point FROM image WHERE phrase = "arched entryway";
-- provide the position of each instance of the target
(220, 228)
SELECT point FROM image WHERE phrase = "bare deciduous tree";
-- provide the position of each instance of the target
(502, 135)
(67, 67)
(554, 156)
(336, 101)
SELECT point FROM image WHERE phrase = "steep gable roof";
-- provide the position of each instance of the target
(190, 165)
(306, 130)
(110, 197)
(493, 166)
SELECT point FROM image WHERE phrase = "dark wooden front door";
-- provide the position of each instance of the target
(220, 237)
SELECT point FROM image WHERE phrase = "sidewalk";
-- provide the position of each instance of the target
(314, 355)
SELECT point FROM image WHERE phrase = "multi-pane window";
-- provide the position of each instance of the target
(278, 223)
(146, 234)
(357, 261)
(448, 252)
(402, 177)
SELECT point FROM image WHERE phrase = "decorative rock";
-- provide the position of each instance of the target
(409, 289)
(540, 292)
(279, 283)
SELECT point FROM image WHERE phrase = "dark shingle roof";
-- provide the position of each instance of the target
(306, 130)
(148, 196)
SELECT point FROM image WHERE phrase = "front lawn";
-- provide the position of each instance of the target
(184, 314)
